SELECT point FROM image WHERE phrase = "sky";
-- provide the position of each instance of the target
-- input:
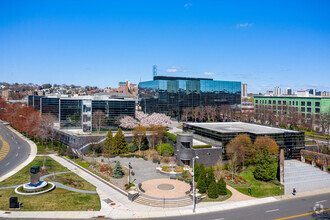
(99, 43)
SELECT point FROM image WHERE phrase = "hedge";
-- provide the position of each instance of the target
(171, 136)
(202, 146)
(130, 155)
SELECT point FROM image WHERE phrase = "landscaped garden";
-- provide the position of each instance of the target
(56, 200)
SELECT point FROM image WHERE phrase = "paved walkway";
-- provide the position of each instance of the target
(153, 188)
(238, 196)
(143, 170)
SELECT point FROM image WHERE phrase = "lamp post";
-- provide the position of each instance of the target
(129, 172)
(194, 189)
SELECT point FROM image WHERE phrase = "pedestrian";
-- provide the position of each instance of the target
(294, 191)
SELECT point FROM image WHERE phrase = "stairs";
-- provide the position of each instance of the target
(303, 177)
(163, 203)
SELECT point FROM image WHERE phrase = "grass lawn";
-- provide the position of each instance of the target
(85, 185)
(57, 200)
(23, 176)
(258, 188)
(219, 199)
(83, 164)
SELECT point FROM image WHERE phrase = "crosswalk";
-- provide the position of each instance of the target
(4, 150)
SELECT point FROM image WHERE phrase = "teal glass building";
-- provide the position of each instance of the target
(170, 95)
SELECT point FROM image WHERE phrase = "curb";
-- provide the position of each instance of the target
(32, 155)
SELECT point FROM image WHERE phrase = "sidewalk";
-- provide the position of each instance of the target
(32, 155)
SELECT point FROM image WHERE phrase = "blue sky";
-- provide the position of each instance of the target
(262, 43)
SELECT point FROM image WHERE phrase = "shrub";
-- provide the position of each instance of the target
(165, 150)
(201, 146)
(212, 191)
(222, 187)
(171, 136)
(145, 144)
(118, 171)
(210, 178)
(132, 147)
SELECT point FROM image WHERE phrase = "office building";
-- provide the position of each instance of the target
(170, 95)
(83, 111)
(244, 90)
(220, 134)
(288, 91)
(277, 91)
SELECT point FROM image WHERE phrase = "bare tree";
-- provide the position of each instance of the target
(195, 113)
(325, 124)
(98, 120)
(139, 134)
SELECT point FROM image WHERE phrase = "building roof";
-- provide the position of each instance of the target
(240, 127)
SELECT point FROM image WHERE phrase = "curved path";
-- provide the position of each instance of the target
(57, 184)
(237, 196)
(19, 150)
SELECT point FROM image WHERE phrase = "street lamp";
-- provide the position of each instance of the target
(129, 173)
(193, 177)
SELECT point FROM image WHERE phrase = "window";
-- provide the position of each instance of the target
(284, 102)
(302, 103)
(279, 102)
(309, 103)
(317, 110)
(317, 104)
(274, 102)
(309, 109)
(289, 102)
(257, 101)
(269, 102)
(296, 102)
(186, 144)
(302, 109)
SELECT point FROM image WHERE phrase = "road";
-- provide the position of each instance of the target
(18, 150)
(277, 210)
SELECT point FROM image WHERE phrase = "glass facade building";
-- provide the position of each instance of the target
(172, 94)
(77, 113)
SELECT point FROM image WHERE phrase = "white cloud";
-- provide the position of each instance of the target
(172, 70)
(187, 5)
(243, 25)
(208, 73)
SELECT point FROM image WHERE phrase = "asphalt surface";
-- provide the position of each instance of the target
(18, 152)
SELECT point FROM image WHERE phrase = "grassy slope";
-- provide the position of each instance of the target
(57, 200)
(258, 188)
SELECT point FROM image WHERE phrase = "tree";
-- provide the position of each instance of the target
(119, 144)
(196, 171)
(128, 122)
(132, 147)
(242, 145)
(212, 190)
(201, 185)
(222, 187)
(108, 142)
(145, 143)
(210, 178)
(157, 134)
(165, 150)
(139, 134)
(98, 120)
(118, 171)
(265, 169)
(233, 164)
(265, 141)
(325, 124)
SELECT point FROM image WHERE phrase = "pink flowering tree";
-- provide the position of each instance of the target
(145, 120)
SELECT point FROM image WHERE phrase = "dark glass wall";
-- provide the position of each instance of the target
(50, 106)
(113, 110)
(70, 113)
(171, 94)
(34, 101)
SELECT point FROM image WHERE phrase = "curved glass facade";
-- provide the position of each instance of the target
(171, 94)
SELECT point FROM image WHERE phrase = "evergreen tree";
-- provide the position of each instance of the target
(210, 178)
(118, 171)
(201, 185)
(108, 143)
(222, 187)
(119, 144)
(265, 169)
(202, 171)
(212, 190)
(196, 171)
(145, 143)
